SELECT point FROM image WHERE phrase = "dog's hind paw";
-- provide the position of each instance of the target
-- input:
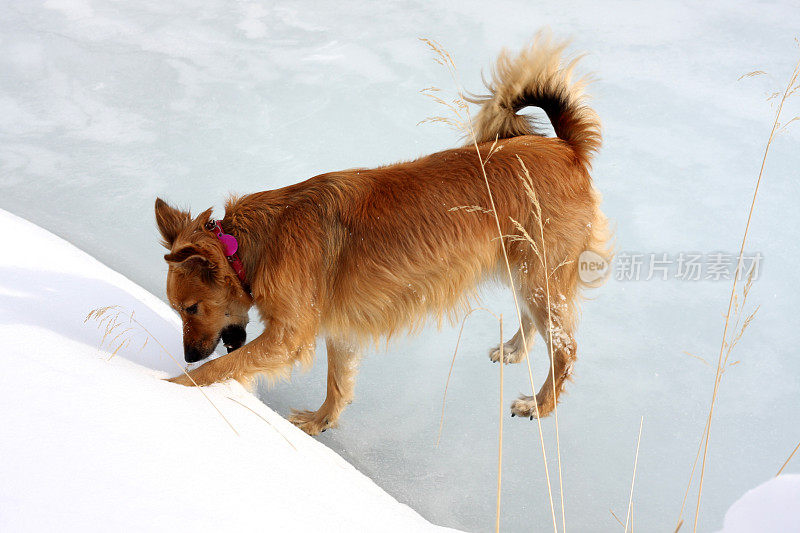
(312, 422)
(526, 406)
(512, 354)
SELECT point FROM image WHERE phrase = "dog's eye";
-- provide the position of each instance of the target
(192, 309)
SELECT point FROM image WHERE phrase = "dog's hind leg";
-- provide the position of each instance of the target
(557, 330)
(343, 362)
(514, 350)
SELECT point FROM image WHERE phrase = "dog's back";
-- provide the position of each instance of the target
(405, 241)
(416, 239)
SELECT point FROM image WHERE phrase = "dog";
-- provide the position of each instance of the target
(365, 254)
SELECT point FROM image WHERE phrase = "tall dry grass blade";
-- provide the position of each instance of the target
(102, 314)
(793, 119)
(751, 74)
(633, 479)
(728, 347)
(500, 432)
(697, 357)
(788, 459)
(444, 58)
(691, 478)
(775, 125)
(452, 363)
(616, 518)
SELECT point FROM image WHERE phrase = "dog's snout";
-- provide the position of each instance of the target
(192, 354)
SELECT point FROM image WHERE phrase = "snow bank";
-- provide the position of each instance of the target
(96, 444)
(772, 506)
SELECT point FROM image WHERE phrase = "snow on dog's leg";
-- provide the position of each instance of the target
(342, 368)
(562, 358)
(557, 307)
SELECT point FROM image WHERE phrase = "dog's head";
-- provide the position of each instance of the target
(201, 285)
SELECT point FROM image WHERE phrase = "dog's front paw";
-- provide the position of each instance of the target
(527, 406)
(183, 379)
(312, 422)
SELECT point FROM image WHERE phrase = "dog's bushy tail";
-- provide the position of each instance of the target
(537, 77)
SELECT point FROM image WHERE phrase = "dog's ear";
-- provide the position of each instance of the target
(192, 260)
(170, 222)
(203, 218)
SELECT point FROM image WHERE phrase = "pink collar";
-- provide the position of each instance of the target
(230, 246)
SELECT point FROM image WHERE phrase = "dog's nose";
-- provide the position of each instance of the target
(192, 354)
(233, 337)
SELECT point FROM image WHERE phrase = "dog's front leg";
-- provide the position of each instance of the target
(342, 368)
(262, 355)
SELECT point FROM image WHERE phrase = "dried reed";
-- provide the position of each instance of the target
(108, 317)
(500, 435)
(734, 308)
(786, 462)
(633, 479)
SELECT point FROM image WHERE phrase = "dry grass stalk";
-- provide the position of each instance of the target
(463, 122)
(452, 363)
(726, 347)
(752, 74)
(787, 460)
(264, 419)
(691, 477)
(629, 517)
(500, 434)
(698, 358)
(616, 518)
(108, 317)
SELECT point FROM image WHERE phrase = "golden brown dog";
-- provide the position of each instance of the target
(364, 254)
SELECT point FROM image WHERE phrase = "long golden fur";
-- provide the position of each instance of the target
(364, 254)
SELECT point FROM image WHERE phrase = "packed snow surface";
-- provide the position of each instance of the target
(105, 105)
(772, 506)
(92, 442)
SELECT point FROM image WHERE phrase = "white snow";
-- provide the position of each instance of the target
(772, 506)
(92, 444)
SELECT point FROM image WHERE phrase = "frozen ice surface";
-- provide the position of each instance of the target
(104, 105)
